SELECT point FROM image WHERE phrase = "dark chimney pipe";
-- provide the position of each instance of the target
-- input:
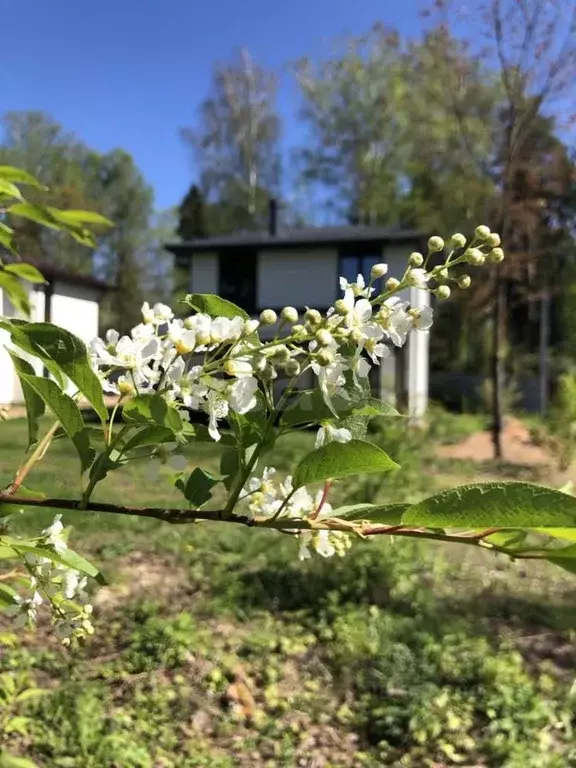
(273, 217)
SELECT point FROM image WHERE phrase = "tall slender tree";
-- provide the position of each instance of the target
(236, 142)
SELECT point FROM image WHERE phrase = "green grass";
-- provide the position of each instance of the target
(215, 647)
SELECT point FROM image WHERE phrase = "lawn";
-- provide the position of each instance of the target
(215, 647)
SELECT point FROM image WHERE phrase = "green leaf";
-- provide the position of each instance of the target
(80, 218)
(6, 237)
(210, 304)
(31, 693)
(60, 349)
(67, 557)
(25, 272)
(16, 292)
(67, 413)
(197, 488)
(152, 409)
(37, 213)
(337, 460)
(386, 514)
(151, 435)
(487, 505)
(371, 406)
(18, 176)
(11, 761)
(229, 466)
(7, 595)
(18, 724)
(9, 189)
(35, 405)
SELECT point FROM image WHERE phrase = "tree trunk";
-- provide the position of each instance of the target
(498, 362)
(543, 352)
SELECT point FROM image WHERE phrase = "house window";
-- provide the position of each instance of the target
(357, 261)
(237, 278)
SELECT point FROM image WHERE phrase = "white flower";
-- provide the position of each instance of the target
(358, 288)
(53, 535)
(359, 317)
(362, 367)
(422, 318)
(331, 379)
(395, 320)
(328, 434)
(134, 353)
(202, 327)
(417, 277)
(226, 329)
(238, 367)
(112, 337)
(190, 390)
(142, 331)
(183, 339)
(217, 408)
(158, 314)
(241, 395)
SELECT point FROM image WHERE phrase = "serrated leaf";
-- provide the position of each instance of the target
(26, 272)
(35, 405)
(16, 291)
(371, 406)
(487, 505)
(337, 460)
(210, 304)
(151, 435)
(18, 724)
(61, 350)
(386, 514)
(67, 413)
(197, 487)
(18, 176)
(153, 410)
(31, 693)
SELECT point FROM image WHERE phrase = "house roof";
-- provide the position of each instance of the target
(58, 274)
(309, 236)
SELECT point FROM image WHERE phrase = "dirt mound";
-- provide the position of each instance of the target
(517, 446)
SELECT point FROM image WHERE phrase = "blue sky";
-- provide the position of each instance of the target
(129, 73)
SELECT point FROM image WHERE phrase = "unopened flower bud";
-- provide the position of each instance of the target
(416, 259)
(292, 368)
(435, 244)
(125, 387)
(189, 322)
(463, 282)
(496, 255)
(250, 327)
(457, 240)
(324, 337)
(482, 232)
(313, 317)
(442, 292)
(493, 240)
(260, 364)
(238, 368)
(392, 283)
(299, 330)
(475, 257)
(281, 353)
(440, 273)
(325, 357)
(268, 374)
(341, 307)
(290, 315)
(182, 348)
(378, 270)
(356, 336)
(268, 317)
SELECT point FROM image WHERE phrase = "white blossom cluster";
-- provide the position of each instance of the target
(221, 365)
(62, 588)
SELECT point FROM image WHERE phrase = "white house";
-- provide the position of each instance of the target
(68, 300)
(301, 268)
